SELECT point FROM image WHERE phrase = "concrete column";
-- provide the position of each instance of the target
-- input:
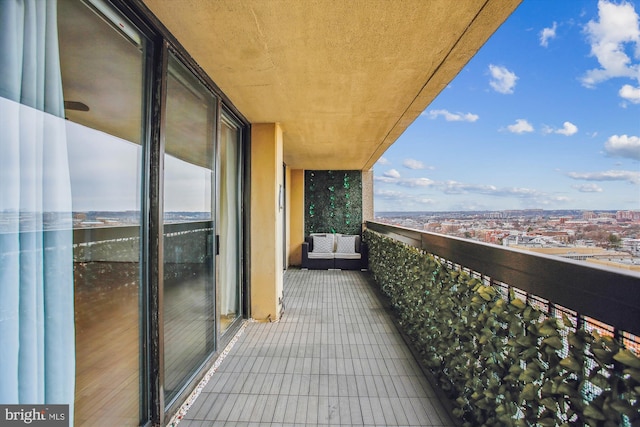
(296, 209)
(287, 222)
(267, 195)
(367, 196)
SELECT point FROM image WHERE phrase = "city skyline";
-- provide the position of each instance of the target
(546, 115)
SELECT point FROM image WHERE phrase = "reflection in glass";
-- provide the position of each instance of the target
(102, 75)
(229, 266)
(107, 277)
(188, 228)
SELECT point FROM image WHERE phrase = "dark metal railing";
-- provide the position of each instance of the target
(184, 242)
(595, 293)
(111, 233)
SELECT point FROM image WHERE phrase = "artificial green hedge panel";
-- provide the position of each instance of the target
(500, 360)
(333, 202)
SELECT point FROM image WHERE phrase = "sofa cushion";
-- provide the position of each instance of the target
(322, 243)
(346, 244)
(352, 255)
(320, 255)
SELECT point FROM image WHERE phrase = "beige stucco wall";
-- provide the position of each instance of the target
(296, 209)
(267, 179)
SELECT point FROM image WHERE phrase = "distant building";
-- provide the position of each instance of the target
(558, 236)
(450, 227)
(591, 254)
(631, 246)
(494, 215)
(528, 241)
(628, 216)
(432, 227)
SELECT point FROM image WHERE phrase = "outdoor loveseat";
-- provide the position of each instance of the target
(323, 251)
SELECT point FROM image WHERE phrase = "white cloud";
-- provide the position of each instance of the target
(416, 182)
(548, 33)
(406, 200)
(383, 161)
(386, 179)
(393, 177)
(502, 80)
(454, 187)
(528, 196)
(615, 175)
(623, 146)
(630, 93)
(425, 201)
(392, 173)
(390, 194)
(452, 117)
(413, 164)
(520, 126)
(556, 199)
(616, 27)
(587, 188)
(568, 129)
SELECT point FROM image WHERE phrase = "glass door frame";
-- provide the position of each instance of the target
(225, 115)
(170, 407)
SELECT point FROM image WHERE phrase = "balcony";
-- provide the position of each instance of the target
(334, 358)
(507, 357)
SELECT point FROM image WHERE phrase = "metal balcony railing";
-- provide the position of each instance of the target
(516, 338)
(607, 295)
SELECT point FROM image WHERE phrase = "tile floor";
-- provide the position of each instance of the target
(334, 359)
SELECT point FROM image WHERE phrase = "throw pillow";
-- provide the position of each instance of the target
(346, 244)
(323, 244)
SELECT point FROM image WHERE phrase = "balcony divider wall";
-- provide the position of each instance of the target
(131, 188)
(333, 201)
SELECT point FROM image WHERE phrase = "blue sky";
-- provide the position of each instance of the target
(546, 115)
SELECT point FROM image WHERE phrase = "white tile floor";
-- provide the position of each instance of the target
(335, 358)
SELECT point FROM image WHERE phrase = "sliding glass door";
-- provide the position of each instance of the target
(188, 238)
(102, 61)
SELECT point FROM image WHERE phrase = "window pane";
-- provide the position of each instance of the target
(102, 75)
(188, 228)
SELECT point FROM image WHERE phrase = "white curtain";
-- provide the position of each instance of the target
(37, 350)
(229, 221)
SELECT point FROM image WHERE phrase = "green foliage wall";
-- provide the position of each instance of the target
(501, 361)
(333, 202)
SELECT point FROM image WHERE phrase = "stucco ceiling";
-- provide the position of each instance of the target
(343, 78)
